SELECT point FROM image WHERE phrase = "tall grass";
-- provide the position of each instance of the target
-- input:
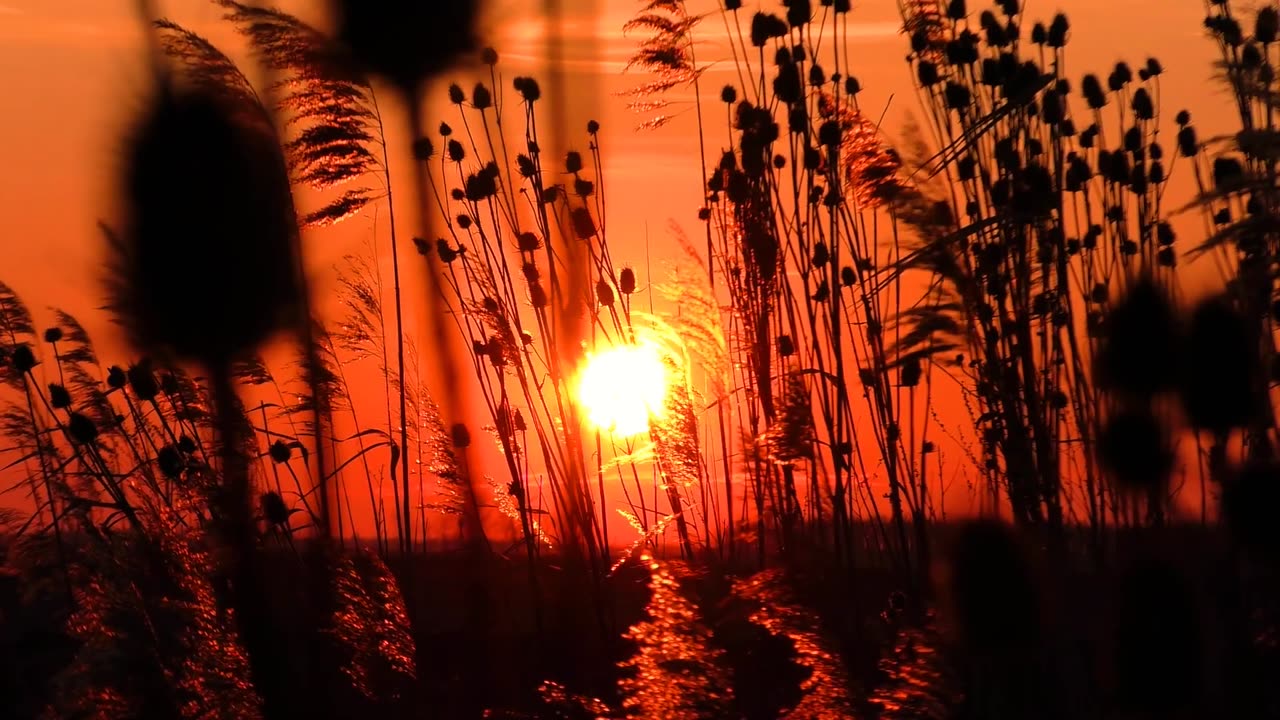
(201, 521)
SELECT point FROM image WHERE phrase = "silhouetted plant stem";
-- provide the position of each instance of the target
(406, 531)
(436, 320)
(236, 527)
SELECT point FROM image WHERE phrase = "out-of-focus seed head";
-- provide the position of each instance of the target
(59, 397)
(1140, 341)
(116, 378)
(1222, 376)
(280, 452)
(528, 242)
(1134, 449)
(481, 98)
(423, 149)
(170, 462)
(766, 27)
(460, 436)
(83, 431)
(1266, 25)
(604, 293)
(274, 509)
(206, 268)
(573, 162)
(528, 89)
(142, 381)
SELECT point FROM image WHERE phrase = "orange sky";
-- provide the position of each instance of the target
(70, 70)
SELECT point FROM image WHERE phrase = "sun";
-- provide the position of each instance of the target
(622, 387)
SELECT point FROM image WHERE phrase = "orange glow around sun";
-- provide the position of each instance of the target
(622, 387)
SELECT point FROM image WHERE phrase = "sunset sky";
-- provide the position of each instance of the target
(72, 75)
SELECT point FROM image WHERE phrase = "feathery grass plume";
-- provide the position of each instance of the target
(676, 672)
(369, 627)
(154, 642)
(825, 692)
(918, 682)
(330, 112)
(665, 54)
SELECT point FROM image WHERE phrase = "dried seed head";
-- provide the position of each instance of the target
(170, 462)
(786, 346)
(1058, 30)
(423, 149)
(584, 226)
(82, 430)
(274, 509)
(280, 452)
(528, 89)
(23, 359)
(116, 378)
(460, 436)
(627, 281)
(456, 95)
(729, 94)
(59, 397)
(481, 98)
(53, 334)
(604, 293)
(445, 252)
(537, 295)
(528, 242)
(1266, 25)
(765, 27)
(142, 381)
(573, 162)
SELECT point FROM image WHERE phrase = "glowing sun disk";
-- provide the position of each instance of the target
(621, 387)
